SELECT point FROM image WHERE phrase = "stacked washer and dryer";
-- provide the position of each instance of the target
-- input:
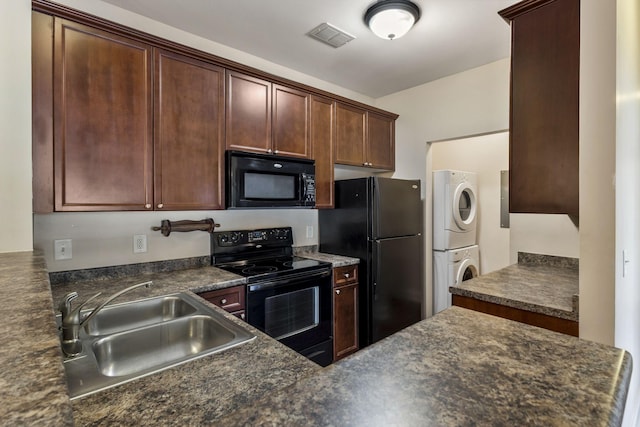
(455, 249)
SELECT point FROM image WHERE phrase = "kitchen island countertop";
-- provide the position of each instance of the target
(541, 284)
(459, 368)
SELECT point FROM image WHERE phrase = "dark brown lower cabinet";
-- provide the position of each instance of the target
(556, 324)
(345, 311)
(230, 299)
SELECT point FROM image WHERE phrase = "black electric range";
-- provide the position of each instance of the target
(288, 297)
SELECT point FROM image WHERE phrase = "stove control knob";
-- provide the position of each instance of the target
(223, 238)
(235, 237)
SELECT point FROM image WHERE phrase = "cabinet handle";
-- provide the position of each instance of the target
(223, 301)
(346, 275)
(147, 206)
(160, 206)
(242, 316)
(337, 291)
(275, 151)
(269, 150)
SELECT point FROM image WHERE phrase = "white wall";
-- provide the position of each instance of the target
(627, 292)
(102, 239)
(15, 122)
(597, 169)
(485, 155)
(544, 234)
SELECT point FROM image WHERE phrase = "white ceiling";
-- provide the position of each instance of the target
(450, 37)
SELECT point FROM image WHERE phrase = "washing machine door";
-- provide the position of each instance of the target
(466, 270)
(464, 206)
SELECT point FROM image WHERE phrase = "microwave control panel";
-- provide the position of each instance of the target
(309, 182)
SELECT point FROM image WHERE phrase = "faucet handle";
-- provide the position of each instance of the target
(78, 308)
(65, 304)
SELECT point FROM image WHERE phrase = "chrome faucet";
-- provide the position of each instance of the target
(72, 321)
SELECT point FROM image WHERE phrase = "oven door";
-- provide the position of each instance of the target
(296, 311)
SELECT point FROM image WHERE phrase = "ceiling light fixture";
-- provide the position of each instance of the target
(392, 19)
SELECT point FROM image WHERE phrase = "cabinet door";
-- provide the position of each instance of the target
(189, 129)
(322, 139)
(248, 122)
(544, 141)
(345, 334)
(42, 111)
(350, 135)
(102, 120)
(290, 121)
(380, 146)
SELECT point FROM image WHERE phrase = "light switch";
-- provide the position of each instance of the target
(62, 249)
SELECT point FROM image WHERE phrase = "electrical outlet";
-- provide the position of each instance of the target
(62, 249)
(309, 231)
(139, 243)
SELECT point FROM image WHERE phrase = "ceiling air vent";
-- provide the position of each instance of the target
(330, 35)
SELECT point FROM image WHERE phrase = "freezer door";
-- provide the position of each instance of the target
(397, 208)
(398, 285)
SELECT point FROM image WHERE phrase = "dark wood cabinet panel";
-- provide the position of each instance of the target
(114, 122)
(42, 110)
(345, 311)
(189, 133)
(345, 339)
(102, 120)
(248, 113)
(322, 135)
(530, 318)
(290, 121)
(345, 275)
(381, 141)
(350, 135)
(544, 144)
(231, 299)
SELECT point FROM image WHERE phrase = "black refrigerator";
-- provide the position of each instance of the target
(379, 220)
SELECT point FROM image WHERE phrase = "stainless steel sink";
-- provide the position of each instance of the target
(134, 339)
(120, 317)
(125, 353)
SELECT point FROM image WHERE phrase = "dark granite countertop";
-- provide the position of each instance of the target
(538, 283)
(335, 260)
(458, 368)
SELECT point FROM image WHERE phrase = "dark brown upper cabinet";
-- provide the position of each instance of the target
(188, 134)
(265, 117)
(322, 137)
(133, 129)
(545, 61)
(290, 122)
(364, 138)
(248, 122)
(380, 147)
(123, 120)
(103, 119)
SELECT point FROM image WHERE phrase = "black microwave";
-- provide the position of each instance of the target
(268, 181)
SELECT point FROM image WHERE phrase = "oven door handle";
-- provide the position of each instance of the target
(270, 284)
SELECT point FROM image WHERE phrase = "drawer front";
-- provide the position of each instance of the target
(231, 299)
(345, 275)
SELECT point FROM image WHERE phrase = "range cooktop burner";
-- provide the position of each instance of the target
(272, 267)
(259, 270)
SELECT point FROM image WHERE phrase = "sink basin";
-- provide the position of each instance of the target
(130, 352)
(135, 339)
(120, 317)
